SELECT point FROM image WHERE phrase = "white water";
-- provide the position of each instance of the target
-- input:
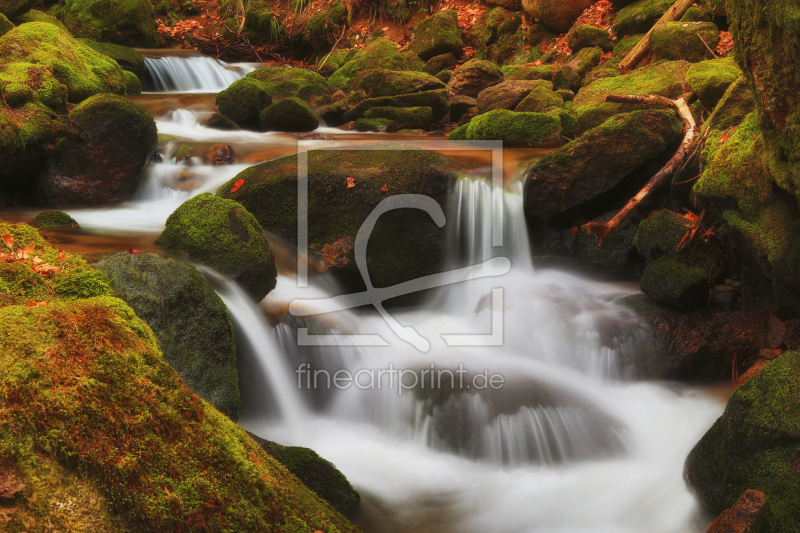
(189, 73)
(573, 442)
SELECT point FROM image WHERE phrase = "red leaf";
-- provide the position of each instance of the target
(9, 240)
(351, 182)
(134, 251)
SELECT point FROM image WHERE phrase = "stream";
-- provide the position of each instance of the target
(572, 441)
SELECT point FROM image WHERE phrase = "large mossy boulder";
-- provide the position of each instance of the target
(437, 100)
(290, 114)
(527, 130)
(127, 58)
(327, 21)
(664, 79)
(557, 15)
(14, 8)
(589, 37)
(661, 233)
(558, 185)
(541, 100)
(669, 282)
(91, 411)
(508, 94)
(285, 82)
(106, 165)
(711, 79)
(754, 445)
(523, 72)
(473, 77)
(243, 101)
(191, 324)
(381, 82)
(411, 118)
(689, 41)
(221, 234)
(439, 63)
(316, 473)
(53, 220)
(343, 189)
(436, 35)
(639, 17)
(380, 53)
(126, 22)
(34, 15)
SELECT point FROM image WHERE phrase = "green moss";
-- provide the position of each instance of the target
(731, 110)
(223, 235)
(437, 100)
(711, 79)
(404, 117)
(376, 125)
(183, 153)
(53, 219)
(500, 38)
(435, 35)
(380, 53)
(665, 79)
(57, 67)
(669, 282)
(290, 114)
(516, 129)
(436, 64)
(324, 22)
(295, 82)
(34, 15)
(695, 14)
(521, 72)
(5, 25)
(459, 133)
(381, 82)
(127, 58)
(568, 122)
(685, 40)
(639, 17)
(540, 100)
(125, 22)
(588, 37)
(660, 233)
(132, 84)
(625, 45)
(754, 445)
(244, 100)
(261, 18)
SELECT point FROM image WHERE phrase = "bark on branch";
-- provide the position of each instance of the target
(675, 12)
(681, 106)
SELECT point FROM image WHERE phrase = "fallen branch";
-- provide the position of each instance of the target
(332, 49)
(681, 106)
(709, 48)
(640, 50)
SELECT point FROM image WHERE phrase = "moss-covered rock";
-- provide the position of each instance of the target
(122, 436)
(284, 82)
(191, 324)
(664, 79)
(669, 282)
(558, 15)
(625, 45)
(15, 8)
(684, 40)
(223, 235)
(125, 22)
(436, 100)
(218, 121)
(508, 94)
(568, 122)
(380, 53)
(445, 76)
(290, 114)
(540, 100)
(261, 18)
(376, 125)
(436, 35)
(404, 117)
(244, 100)
(323, 23)
(57, 67)
(566, 78)
(639, 17)
(5, 25)
(537, 130)
(696, 14)
(474, 76)
(381, 82)
(558, 185)
(436, 64)
(588, 37)
(316, 473)
(459, 133)
(711, 79)
(53, 220)
(405, 244)
(502, 38)
(754, 445)
(732, 109)
(522, 72)
(127, 58)
(133, 86)
(660, 233)
(34, 15)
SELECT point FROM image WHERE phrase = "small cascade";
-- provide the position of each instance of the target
(189, 73)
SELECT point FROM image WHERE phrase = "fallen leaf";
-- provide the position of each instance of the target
(239, 183)
(37, 304)
(574, 230)
(384, 188)
(24, 253)
(44, 269)
(36, 259)
(134, 251)
(61, 256)
(351, 182)
(9, 240)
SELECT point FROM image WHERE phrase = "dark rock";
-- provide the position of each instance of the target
(53, 220)
(669, 282)
(540, 100)
(473, 77)
(508, 94)
(221, 234)
(557, 15)
(191, 323)
(437, 64)
(436, 35)
(566, 78)
(381, 82)
(243, 102)
(436, 100)
(219, 121)
(291, 114)
(660, 233)
(105, 167)
(777, 332)
(566, 94)
(460, 105)
(617, 254)
(748, 515)
(221, 154)
(14, 8)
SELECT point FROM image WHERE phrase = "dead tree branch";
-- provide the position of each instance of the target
(640, 50)
(681, 106)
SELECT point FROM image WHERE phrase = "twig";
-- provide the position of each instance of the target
(690, 234)
(687, 181)
(709, 48)
(601, 230)
(640, 50)
(344, 28)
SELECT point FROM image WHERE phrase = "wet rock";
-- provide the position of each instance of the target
(291, 114)
(616, 256)
(660, 233)
(105, 167)
(669, 282)
(711, 79)
(536, 130)
(376, 125)
(184, 154)
(568, 178)
(473, 77)
(460, 105)
(218, 121)
(508, 94)
(748, 515)
(381, 82)
(436, 35)
(684, 40)
(285, 82)
(191, 323)
(221, 234)
(589, 36)
(126, 22)
(404, 117)
(754, 446)
(436, 100)
(319, 475)
(243, 102)
(221, 154)
(557, 15)
(53, 220)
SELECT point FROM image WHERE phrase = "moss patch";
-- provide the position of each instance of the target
(380, 53)
(516, 129)
(711, 79)
(290, 114)
(684, 40)
(660, 233)
(639, 17)
(381, 82)
(295, 82)
(53, 219)
(404, 117)
(125, 22)
(244, 100)
(435, 35)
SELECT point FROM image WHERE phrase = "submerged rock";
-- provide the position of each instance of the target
(126, 22)
(221, 234)
(191, 323)
(53, 220)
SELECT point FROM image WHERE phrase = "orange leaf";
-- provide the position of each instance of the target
(574, 230)
(239, 183)
(351, 182)
(36, 259)
(9, 240)
(44, 270)
(384, 188)
(37, 304)
(24, 253)
(134, 251)
(61, 256)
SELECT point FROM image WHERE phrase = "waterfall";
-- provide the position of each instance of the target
(189, 73)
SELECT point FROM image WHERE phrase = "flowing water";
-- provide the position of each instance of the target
(548, 426)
